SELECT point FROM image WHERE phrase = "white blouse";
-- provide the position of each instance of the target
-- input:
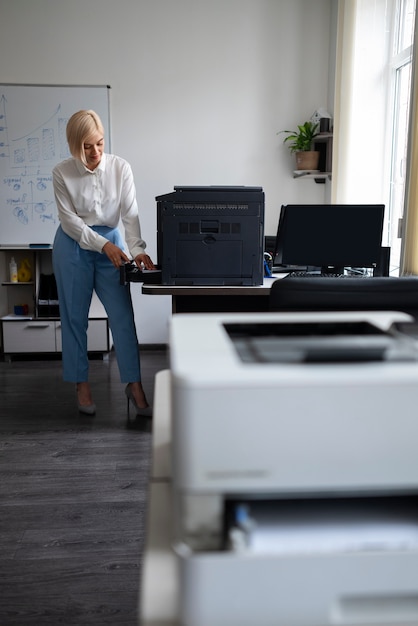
(97, 198)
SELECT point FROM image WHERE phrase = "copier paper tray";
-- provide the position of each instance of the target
(309, 562)
(316, 342)
(322, 525)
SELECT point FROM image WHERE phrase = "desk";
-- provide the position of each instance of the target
(216, 299)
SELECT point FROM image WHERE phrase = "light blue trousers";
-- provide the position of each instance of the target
(78, 272)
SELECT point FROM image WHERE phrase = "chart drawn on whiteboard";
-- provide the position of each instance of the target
(30, 161)
(33, 122)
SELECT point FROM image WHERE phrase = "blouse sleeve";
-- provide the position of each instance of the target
(129, 213)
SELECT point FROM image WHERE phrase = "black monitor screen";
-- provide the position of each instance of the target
(330, 235)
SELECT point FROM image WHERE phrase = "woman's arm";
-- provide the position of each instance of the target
(130, 220)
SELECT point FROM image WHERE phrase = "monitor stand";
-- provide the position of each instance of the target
(334, 270)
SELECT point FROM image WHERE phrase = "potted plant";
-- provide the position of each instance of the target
(300, 142)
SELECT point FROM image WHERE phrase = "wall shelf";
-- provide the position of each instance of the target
(18, 284)
(322, 143)
(317, 176)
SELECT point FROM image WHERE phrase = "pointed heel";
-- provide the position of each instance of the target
(142, 412)
(86, 409)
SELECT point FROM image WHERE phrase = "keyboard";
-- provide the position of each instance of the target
(318, 275)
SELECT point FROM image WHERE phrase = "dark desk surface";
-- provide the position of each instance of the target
(216, 298)
(211, 290)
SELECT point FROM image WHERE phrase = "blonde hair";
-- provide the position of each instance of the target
(80, 127)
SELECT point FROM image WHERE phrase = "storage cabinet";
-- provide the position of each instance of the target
(30, 324)
(98, 335)
(20, 336)
(29, 336)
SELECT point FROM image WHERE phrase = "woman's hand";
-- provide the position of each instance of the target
(115, 254)
(143, 261)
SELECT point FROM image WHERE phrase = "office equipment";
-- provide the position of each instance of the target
(32, 138)
(346, 294)
(295, 484)
(270, 244)
(383, 265)
(329, 236)
(211, 236)
(131, 273)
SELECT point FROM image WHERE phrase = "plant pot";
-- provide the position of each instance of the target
(307, 160)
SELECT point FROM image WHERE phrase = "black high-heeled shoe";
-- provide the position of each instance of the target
(142, 412)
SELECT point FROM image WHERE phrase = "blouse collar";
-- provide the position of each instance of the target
(85, 170)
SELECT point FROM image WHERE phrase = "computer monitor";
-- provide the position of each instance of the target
(330, 236)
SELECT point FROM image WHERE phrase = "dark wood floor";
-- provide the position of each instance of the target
(73, 495)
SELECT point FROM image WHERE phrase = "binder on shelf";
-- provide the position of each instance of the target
(47, 304)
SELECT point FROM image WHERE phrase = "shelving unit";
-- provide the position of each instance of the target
(34, 332)
(322, 143)
(316, 175)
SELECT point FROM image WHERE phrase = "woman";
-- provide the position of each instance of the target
(93, 190)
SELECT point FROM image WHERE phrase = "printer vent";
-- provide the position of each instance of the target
(195, 228)
(208, 206)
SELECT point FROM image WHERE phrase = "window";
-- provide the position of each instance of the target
(400, 71)
(373, 87)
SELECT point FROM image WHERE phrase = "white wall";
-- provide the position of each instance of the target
(199, 90)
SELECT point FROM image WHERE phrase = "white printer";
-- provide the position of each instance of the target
(295, 468)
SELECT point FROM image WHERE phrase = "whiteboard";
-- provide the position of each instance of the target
(33, 119)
